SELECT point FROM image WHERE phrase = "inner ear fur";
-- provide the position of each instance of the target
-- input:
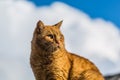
(40, 26)
(59, 24)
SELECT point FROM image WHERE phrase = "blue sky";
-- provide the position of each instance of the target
(106, 9)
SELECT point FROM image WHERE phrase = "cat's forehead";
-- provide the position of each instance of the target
(52, 29)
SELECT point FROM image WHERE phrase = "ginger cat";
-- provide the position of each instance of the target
(51, 61)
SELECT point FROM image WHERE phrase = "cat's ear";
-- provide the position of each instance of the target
(59, 24)
(40, 26)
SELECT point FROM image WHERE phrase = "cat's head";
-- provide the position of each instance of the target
(48, 38)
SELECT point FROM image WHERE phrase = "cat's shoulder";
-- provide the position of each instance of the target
(73, 55)
(78, 58)
(81, 61)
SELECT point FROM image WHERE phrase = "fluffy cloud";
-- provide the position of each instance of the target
(96, 39)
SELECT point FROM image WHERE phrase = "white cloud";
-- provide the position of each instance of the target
(96, 39)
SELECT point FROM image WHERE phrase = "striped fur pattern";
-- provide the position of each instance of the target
(51, 61)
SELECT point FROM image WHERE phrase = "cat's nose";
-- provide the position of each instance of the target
(58, 42)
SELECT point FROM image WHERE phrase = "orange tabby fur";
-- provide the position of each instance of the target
(51, 61)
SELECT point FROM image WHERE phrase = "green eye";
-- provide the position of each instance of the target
(50, 36)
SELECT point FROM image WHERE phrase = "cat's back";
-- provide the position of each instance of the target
(81, 68)
(81, 62)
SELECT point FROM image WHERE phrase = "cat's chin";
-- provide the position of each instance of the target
(56, 49)
(52, 49)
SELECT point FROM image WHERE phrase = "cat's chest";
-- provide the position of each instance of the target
(51, 63)
(46, 61)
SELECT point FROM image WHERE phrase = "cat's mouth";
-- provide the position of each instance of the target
(54, 47)
(58, 45)
(48, 46)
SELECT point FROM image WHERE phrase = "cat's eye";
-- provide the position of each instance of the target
(50, 36)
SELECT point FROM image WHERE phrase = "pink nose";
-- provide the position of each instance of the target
(58, 42)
